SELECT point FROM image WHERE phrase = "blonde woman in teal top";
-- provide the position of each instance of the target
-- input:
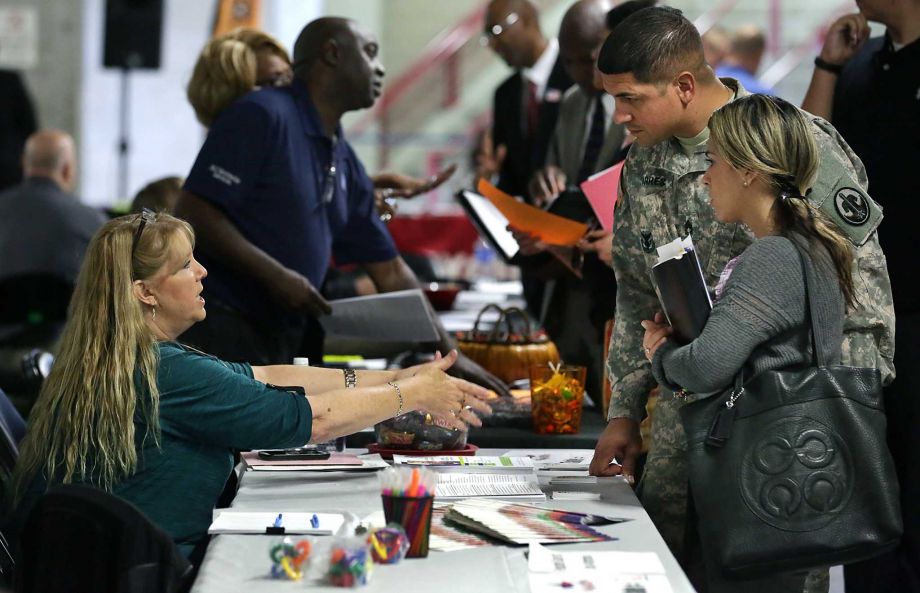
(128, 409)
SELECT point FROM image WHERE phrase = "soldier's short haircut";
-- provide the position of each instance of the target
(653, 44)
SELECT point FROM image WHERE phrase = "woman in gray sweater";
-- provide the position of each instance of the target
(762, 159)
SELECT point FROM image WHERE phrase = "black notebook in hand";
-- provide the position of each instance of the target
(681, 288)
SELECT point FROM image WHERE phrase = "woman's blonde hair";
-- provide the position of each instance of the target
(82, 426)
(259, 41)
(226, 70)
(773, 139)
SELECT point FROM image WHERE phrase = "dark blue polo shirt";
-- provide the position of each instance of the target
(265, 163)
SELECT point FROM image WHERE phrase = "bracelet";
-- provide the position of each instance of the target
(825, 65)
(351, 379)
(395, 386)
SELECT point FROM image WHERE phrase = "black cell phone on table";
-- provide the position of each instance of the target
(297, 453)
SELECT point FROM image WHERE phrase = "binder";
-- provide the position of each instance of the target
(681, 287)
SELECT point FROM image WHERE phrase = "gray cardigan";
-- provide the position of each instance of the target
(761, 321)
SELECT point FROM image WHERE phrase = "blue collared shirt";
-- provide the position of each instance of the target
(265, 163)
(747, 80)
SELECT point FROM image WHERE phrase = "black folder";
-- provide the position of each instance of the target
(683, 294)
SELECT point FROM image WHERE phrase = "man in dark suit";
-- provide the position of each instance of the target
(44, 229)
(527, 102)
(526, 107)
(586, 140)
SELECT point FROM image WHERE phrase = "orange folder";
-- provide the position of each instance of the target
(549, 228)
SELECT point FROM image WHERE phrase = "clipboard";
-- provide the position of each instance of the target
(490, 223)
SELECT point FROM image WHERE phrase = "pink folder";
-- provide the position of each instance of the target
(601, 190)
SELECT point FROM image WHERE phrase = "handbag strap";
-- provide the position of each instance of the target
(817, 317)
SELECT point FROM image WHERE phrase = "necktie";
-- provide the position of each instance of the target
(595, 140)
(533, 109)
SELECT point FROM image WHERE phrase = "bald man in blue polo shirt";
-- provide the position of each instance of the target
(277, 191)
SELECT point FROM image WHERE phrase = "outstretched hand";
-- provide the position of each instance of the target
(452, 401)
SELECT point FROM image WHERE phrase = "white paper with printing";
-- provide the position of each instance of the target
(513, 486)
(620, 572)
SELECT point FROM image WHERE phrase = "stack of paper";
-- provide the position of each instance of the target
(337, 462)
(503, 463)
(556, 460)
(463, 485)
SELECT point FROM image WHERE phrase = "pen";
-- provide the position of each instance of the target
(278, 520)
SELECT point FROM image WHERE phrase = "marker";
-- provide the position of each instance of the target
(314, 521)
(413, 483)
(278, 520)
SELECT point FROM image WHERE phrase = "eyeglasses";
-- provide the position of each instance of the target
(146, 216)
(496, 30)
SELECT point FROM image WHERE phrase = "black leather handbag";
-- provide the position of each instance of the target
(790, 469)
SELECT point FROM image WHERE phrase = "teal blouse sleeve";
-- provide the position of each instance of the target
(214, 402)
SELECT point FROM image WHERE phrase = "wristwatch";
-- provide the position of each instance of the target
(825, 65)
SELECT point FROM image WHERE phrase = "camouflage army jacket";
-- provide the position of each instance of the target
(661, 198)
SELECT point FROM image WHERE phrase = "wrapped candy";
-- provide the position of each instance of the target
(288, 558)
(556, 396)
(389, 545)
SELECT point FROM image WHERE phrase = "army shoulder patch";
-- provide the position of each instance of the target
(854, 213)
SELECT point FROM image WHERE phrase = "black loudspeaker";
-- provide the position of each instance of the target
(133, 30)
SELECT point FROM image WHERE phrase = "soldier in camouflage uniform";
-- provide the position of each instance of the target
(665, 94)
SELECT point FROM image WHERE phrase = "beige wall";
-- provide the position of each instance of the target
(54, 83)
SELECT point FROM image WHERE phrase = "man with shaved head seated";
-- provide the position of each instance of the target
(277, 191)
(44, 229)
